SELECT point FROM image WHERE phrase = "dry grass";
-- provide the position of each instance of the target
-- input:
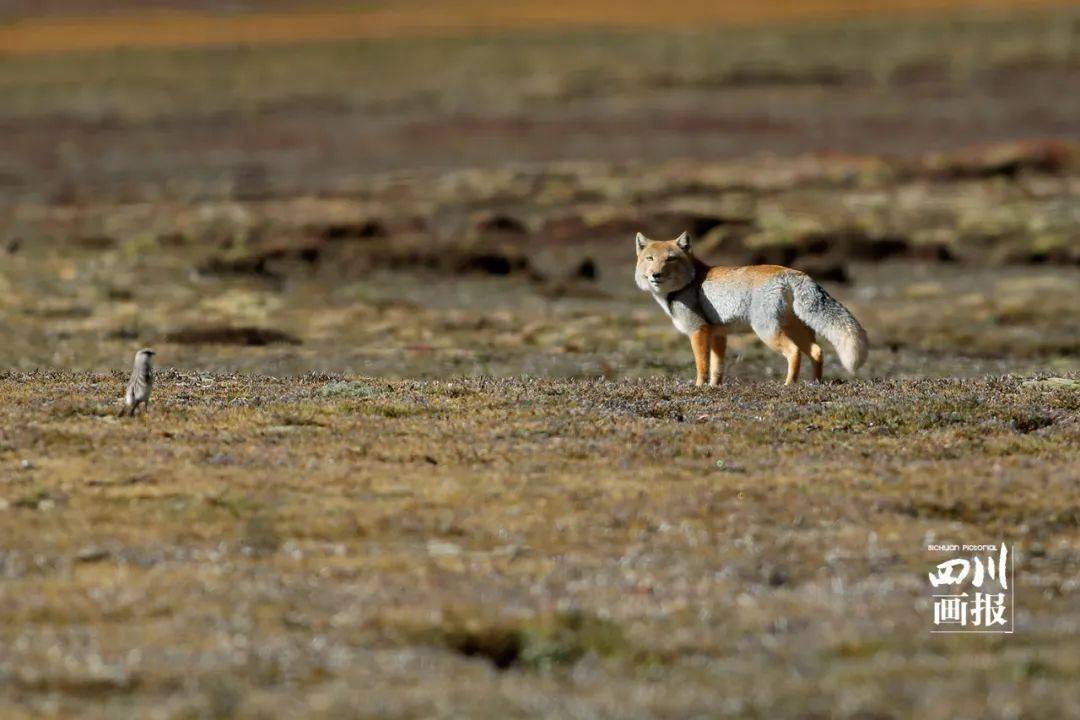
(75, 32)
(497, 495)
(404, 277)
(315, 119)
(267, 547)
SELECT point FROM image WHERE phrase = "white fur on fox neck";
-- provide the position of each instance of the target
(663, 299)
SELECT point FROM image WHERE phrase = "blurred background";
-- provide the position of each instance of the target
(420, 189)
(431, 189)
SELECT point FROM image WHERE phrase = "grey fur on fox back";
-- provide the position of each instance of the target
(784, 307)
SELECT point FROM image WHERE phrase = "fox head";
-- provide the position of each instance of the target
(664, 266)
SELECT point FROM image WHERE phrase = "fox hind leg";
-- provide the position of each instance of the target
(794, 359)
(803, 336)
(768, 324)
(816, 357)
(784, 345)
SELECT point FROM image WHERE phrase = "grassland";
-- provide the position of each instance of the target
(419, 447)
(343, 546)
(287, 121)
(34, 30)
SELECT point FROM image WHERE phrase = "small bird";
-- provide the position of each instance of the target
(142, 380)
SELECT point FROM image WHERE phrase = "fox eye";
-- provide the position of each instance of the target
(649, 258)
(669, 258)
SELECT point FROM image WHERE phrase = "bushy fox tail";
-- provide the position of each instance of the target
(828, 318)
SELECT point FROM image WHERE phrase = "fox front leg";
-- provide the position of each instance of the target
(718, 344)
(699, 341)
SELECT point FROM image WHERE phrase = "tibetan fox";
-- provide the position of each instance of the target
(784, 307)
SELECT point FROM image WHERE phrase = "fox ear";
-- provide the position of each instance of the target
(683, 241)
(640, 242)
